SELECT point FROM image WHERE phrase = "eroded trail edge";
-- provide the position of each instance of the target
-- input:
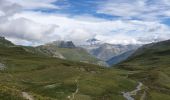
(77, 90)
(27, 96)
(128, 95)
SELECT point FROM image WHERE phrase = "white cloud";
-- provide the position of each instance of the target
(140, 9)
(25, 29)
(118, 39)
(32, 28)
(8, 8)
(2, 13)
(80, 29)
(36, 4)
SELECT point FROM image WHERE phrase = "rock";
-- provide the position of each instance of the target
(2, 66)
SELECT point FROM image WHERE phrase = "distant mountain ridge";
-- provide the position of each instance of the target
(68, 50)
(48, 78)
(27, 71)
(62, 44)
(119, 58)
(5, 42)
(58, 49)
(93, 41)
(96, 53)
(152, 47)
(105, 51)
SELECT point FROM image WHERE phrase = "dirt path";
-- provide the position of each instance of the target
(143, 97)
(128, 95)
(77, 90)
(27, 96)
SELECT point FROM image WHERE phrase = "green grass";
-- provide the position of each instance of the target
(77, 54)
(10, 93)
(72, 54)
(158, 96)
(152, 64)
(49, 78)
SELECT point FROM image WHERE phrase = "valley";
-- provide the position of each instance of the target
(84, 49)
(50, 78)
(35, 76)
(151, 62)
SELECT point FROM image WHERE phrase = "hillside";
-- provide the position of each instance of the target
(45, 78)
(152, 65)
(119, 58)
(67, 50)
(4, 42)
(105, 51)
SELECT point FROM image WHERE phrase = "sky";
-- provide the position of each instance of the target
(35, 22)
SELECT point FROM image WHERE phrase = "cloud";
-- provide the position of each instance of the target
(25, 29)
(32, 27)
(22, 29)
(81, 28)
(8, 8)
(36, 4)
(139, 9)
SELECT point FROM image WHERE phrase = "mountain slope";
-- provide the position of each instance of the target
(47, 78)
(4, 42)
(120, 58)
(107, 51)
(151, 54)
(67, 50)
(152, 65)
(62, 44)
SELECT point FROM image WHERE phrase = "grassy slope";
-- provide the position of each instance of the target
(4, 42)
(152, 63)
(73, 54)
(77, 54)
(54, 79)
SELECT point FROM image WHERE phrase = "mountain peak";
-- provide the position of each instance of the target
(5, 42)
(63, 44)
(93, 41)
(2, 38)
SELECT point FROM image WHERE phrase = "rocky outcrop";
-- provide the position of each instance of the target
(62, 44)
(107, 51)
(5, 42)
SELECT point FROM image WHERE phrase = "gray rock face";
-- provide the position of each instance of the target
(2, 66)
(62, 44)
(52, 48)
(5, 42)
(67, 50)
(2, 38)
(58, 55)
(93, 41)
(107, 51)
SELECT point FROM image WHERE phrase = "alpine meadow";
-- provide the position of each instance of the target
(84, 50)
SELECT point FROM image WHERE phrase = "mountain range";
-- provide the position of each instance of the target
(107, 52)
(119, 58)
(28, 72)
(95, 52)
(35, 76)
